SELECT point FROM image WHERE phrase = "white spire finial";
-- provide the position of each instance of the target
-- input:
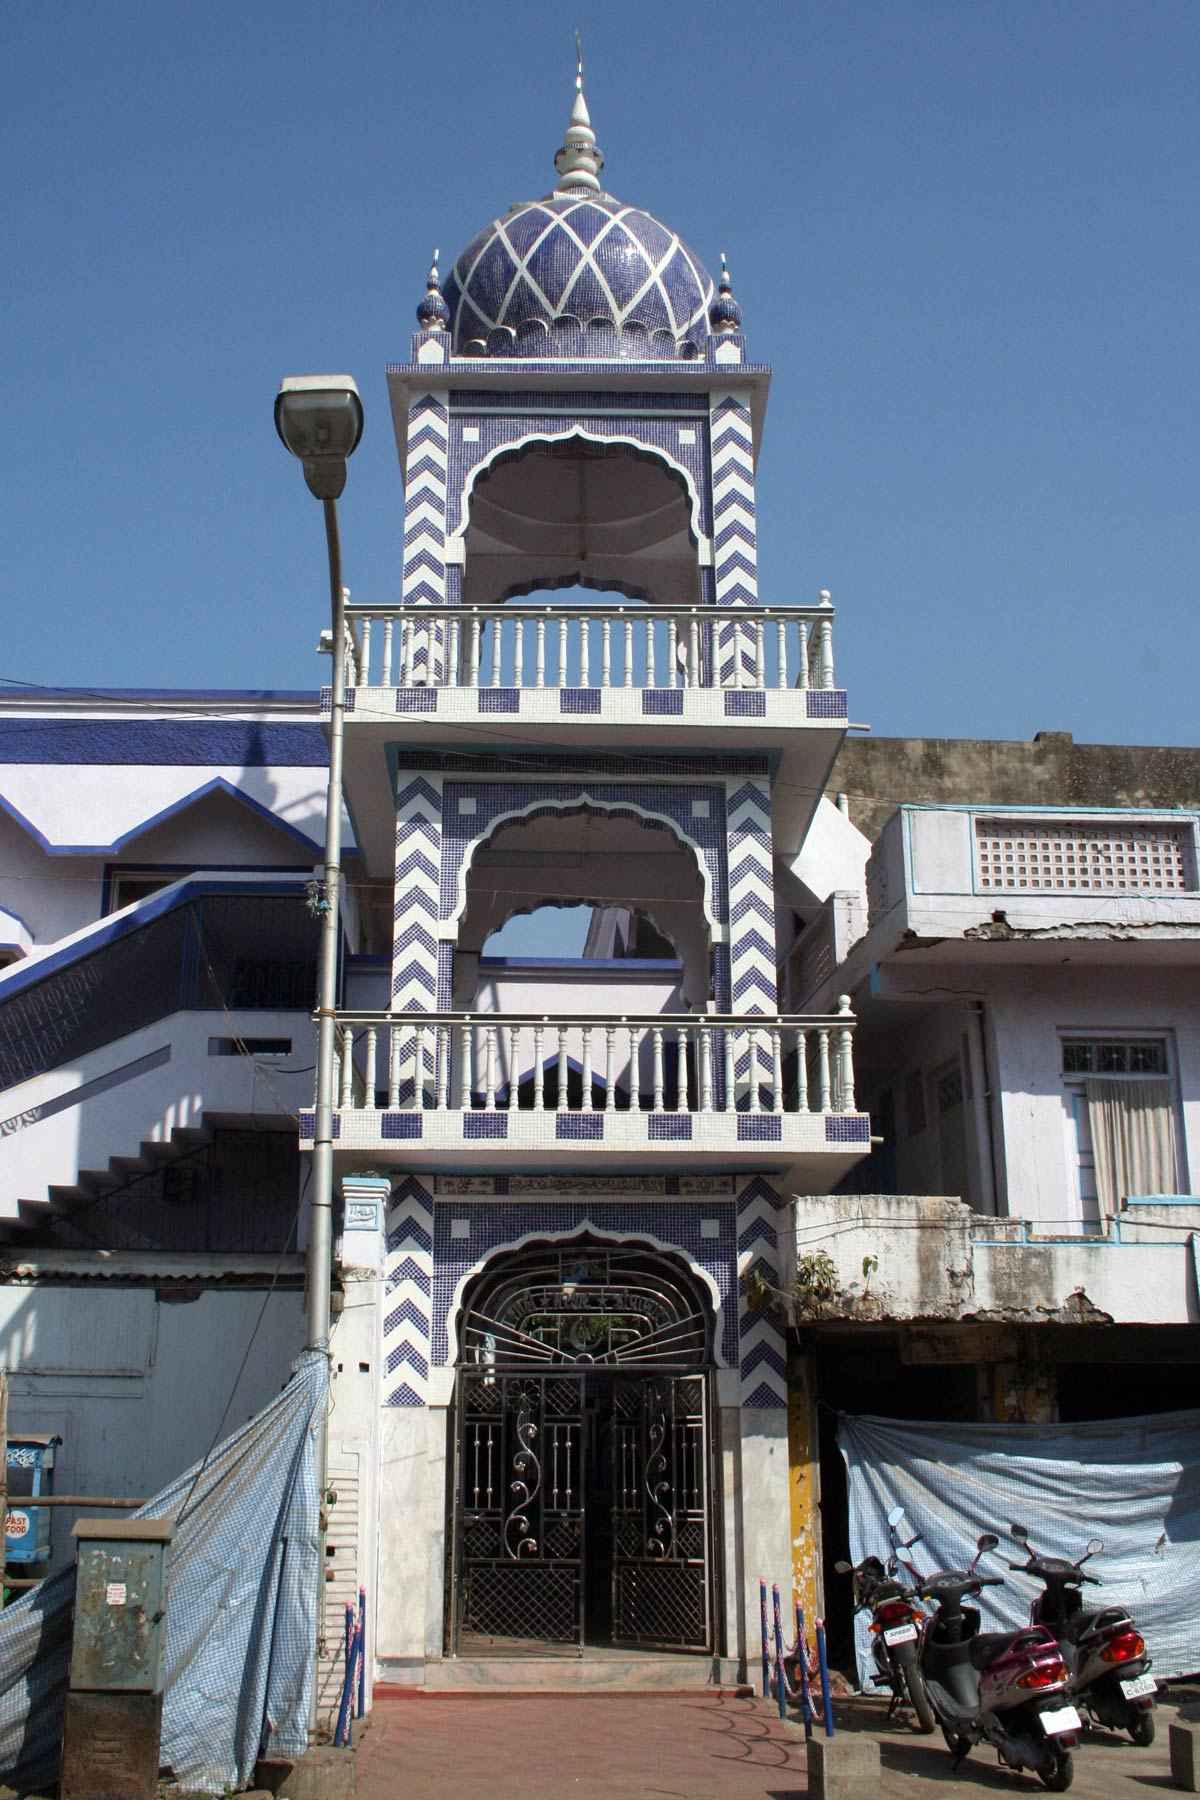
(580, 159)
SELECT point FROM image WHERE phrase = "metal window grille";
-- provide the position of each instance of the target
(1114, 1056)
(1068, 856)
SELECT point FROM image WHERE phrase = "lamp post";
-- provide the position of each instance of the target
(320, 419)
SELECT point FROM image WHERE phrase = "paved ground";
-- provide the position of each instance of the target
(682, 1747)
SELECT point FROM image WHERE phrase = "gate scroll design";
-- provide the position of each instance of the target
(660, 1512)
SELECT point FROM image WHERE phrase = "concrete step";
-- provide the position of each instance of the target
(608, 1672)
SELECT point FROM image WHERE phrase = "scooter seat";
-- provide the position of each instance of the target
(988, 1646)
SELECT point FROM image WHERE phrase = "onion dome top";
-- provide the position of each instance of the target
(578, 272)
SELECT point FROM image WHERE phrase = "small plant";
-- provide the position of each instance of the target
(817, 1279)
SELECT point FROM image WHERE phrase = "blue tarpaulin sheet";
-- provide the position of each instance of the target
(240, 1638)
(1135, 1483)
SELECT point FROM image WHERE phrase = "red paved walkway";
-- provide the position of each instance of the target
(595, 1747)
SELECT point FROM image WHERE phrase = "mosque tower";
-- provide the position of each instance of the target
(582, 1166)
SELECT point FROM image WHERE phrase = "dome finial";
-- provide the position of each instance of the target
(725, 314)
(433, 314)
(580, 159)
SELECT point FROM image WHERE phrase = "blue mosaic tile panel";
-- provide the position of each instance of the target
(395, 1125)
(662, 702)
(666, 1127)
(485, 1125)
(590, 763)
(761, 1216)
(759, 1128)
(416, 700)
(745, 705)
(579, 700)
(408, 1286)
(496, 1225)
(499, 700)
(579, 1125)
(847, 1128)
(826, 703)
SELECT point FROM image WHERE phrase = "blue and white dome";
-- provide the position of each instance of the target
(578, 273)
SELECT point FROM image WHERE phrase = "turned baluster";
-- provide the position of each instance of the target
(846, 1058)
(755, 1097)
(540, 653)
(730, 1070)
(674, 676)
(627, 652)
(518, 636)
(776, 1069)
(681, 1081)
(587, 1069)
(760, 653)
(610, 1074)
(496, 653)
(539, 1071)
(825, 646)
(489, 1068)
(442, 1043)
(635, 1067)
(393, 1086)
(371, 1047)
(802, 654)
(514, 1068)
(801, 1071)
(476, 637)
(657, 1041)
(389, 627)
(706, 1070)
(824, 1097)
(347, 1094)
(419, 1067)
(606, 652)
(781, 652)
(693, 662)
(364, 657)
(556, 667)
(562, 1069)
(467, 1058)
(583, 653)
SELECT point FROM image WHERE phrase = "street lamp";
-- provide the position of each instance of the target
(320, 419)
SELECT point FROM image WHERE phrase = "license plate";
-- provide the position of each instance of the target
(900, 1634)
(1062, 1718)
(1142, 1684)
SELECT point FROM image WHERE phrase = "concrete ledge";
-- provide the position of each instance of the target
(542, 1675)
(1185, 1756)
(843, 1768)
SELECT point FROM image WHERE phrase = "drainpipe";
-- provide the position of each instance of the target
(983, 1088)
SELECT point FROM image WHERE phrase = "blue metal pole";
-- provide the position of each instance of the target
(806, 1705)
(341, 1733)
(766, 1660)
(362, 1651)
(780, 1689)
(823, 1665)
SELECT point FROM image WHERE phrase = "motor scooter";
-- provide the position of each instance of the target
(1005, 1688)
(1104, 1651)
(896, 1623)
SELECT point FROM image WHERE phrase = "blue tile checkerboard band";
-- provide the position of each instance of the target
(408, 1288)
(762, 1220)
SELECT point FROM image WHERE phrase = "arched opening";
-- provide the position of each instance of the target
(580, 512)
(581, 1512)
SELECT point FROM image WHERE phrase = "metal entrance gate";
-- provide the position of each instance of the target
(528, 1509)
(581, 1486)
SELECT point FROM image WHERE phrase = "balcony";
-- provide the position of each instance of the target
(676, 1087)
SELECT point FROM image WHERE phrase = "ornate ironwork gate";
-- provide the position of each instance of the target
(520, 1511)
(660, 1512)
(581, 1491)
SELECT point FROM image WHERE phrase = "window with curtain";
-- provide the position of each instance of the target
(1121, 1105)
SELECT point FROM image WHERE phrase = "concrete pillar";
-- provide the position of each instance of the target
(804, 1486)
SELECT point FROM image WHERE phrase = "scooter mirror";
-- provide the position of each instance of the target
(1020, 1532)
(988, 1541)
(843, 1568)
(1095, 1545)
(895, 1516)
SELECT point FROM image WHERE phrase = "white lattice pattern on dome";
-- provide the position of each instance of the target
(1112, 856)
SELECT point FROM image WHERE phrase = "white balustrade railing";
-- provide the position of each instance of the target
(517, 646)
(656, 1063)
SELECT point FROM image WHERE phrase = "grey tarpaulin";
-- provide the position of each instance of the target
(241, 1619)
(1135, 1483)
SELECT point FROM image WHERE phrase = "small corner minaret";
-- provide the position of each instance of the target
(580, 159)
(433, 314)
(725, 314)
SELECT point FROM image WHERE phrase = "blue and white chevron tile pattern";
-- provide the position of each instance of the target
(418, 883)
(762, 1218)
(735, 544)
(751, 897)
(408, 1290)
(424, 582)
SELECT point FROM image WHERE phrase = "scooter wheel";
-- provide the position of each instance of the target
(1059, 1778)
(909, 1671)
(1142, 1730)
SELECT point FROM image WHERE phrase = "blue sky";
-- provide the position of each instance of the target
(963, 233)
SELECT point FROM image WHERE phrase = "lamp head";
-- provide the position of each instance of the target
(320, 420)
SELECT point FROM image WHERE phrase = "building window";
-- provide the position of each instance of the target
(1120, 1102)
